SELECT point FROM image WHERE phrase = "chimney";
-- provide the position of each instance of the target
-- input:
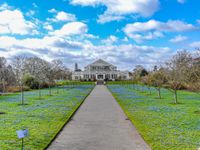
(76, 67)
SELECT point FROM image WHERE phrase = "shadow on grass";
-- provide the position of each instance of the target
(42, 98)
(50, 95)
(159, 98)
(22, 104)
(197, 112)
(2, 113)
(172, 103)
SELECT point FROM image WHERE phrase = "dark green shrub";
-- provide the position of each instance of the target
(31, 82)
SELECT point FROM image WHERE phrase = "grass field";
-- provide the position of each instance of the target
(43, 118)
(162, 124)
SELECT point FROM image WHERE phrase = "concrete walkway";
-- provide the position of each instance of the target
(99, 124)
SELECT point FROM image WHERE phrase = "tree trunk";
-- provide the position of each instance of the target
(57, 90)
(143, 88)
(40, 95)
(149, 90)
(175, 97)
(4, 87)
(159, 93)
(22, 94)
(49, 90)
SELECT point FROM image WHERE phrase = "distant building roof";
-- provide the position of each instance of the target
(100, 62)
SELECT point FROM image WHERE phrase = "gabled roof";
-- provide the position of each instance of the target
(100, 62)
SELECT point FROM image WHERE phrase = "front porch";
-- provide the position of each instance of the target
(100, 76)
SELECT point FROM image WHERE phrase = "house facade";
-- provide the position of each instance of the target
(99, 70)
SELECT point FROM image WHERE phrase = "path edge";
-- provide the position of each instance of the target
(68, 120)
(128, 116)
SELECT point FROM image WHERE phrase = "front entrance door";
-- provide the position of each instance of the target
(100, 77)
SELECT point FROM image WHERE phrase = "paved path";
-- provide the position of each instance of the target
(99, 124)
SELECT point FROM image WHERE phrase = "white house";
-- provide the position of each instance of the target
(99, 70)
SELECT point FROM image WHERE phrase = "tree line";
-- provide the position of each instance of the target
(30, 72)
(182, 71)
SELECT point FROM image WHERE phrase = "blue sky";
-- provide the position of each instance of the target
(123, 32)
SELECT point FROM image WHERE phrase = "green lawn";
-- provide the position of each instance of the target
(43, 118)
(162, 124)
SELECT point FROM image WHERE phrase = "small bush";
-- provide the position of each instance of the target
(31, 82)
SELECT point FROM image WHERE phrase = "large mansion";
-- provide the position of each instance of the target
(99, 70)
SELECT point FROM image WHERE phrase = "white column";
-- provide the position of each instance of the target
(90, 72)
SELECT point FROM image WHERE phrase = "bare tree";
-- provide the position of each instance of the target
(194, 79)
(3, 70)
(148, 81)
(7, 76)
(59, 71)
(10, 76)
(49, 76)
(19, 70)
(178, 68)
(37, 67)
(158, 79)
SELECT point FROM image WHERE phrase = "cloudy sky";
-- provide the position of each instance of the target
(123, 32)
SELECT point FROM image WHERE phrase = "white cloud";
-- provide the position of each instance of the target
(86, 2)
(107, 18)
(6, 41)
(195, 44)
(84, 52)
(181, 1)
(110, 40)
(91, 36)
(125, 39)
(169, 26)
(148, 36)
(72, 28)
(117, 9)
(5, 6)
(178, 38)
(53, 10)
(154, 29)
(47, 44)
(30, 13)
(29, 43)
(71, 42)
(13, 22)
(48, 27)
(62, 16)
